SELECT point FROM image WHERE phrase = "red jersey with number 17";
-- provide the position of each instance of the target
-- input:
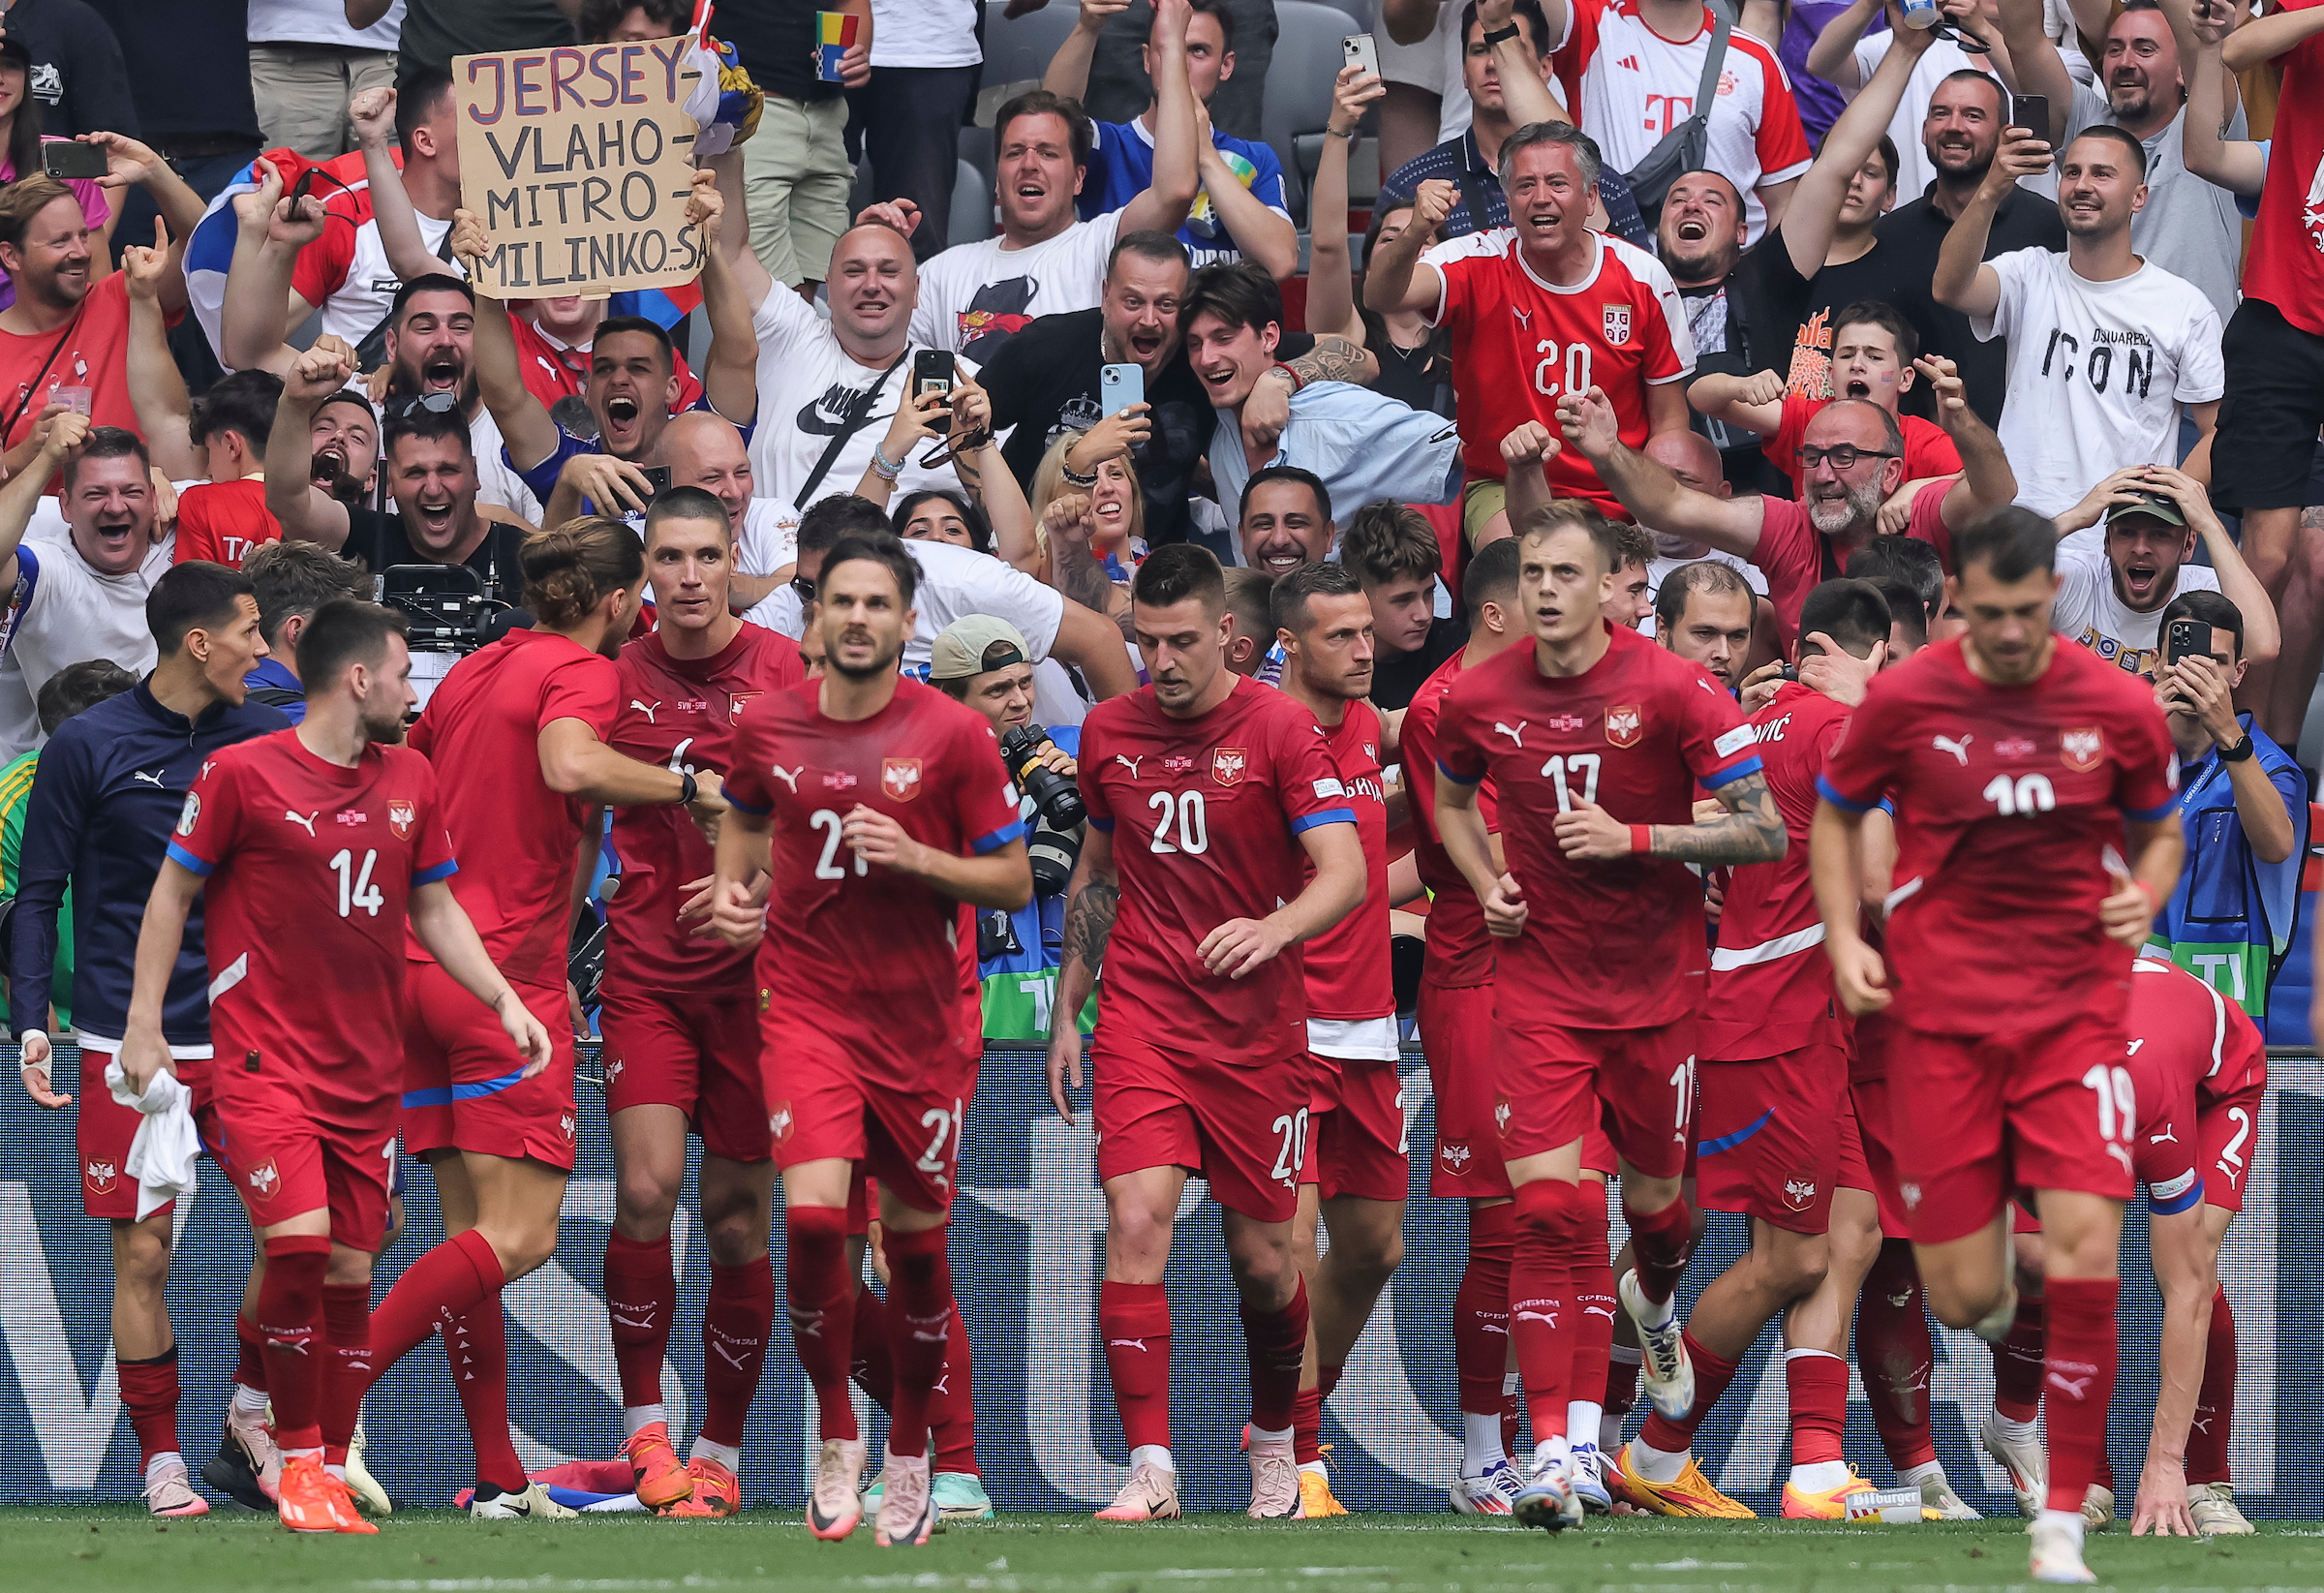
(1205, 815)
(1615, 944)
(1461, 951)
(879, 963)
(680, 713)
(1349, 974)
(2010, 809)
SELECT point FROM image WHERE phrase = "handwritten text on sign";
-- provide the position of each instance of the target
(578, 162)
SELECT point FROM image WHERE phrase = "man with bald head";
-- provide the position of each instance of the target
(704, 450)
(1693, 462)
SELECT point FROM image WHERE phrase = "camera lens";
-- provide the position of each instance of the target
(1056, 796)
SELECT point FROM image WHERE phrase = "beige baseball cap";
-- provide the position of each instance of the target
(960, 649)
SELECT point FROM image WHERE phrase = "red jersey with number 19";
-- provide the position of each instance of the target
(881, 964)
(2009, 808)
(1461, 951)
(1615, 944)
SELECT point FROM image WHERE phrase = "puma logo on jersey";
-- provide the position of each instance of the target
(1959, 749)
(1517, 734)
(2168, 1135)
(1129, 764)
(643, 709)
(153, 779)
(1524, 316)
(2134, 1044)
(2123, 1156)
(789, 776)
(306, 823)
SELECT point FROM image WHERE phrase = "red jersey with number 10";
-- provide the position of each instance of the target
(1461, 951)
(1612, 944)
(1349, 974)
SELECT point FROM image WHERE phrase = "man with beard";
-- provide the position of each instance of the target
(2129, 554)
(1961, 135)
(1854, 457)
(1703, 612)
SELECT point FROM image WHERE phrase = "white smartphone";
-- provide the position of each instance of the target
(1358, 49)
(1120, 387)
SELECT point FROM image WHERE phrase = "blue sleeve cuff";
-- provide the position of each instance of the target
(1888, 807)
(1729, 776)
(1831, 793)
(2191, 1196)
(1330, 815)
(442, 870)
(742, 807)
(998, 839)
(1454, 776)
(1104, 826)
(187, 860)
(2154, 816)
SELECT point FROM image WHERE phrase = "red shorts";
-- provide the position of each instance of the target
(1357, 1138)
(1777, 1138)
(1984, 1115)
(102, 1132)
(863, 1203)
(1598, 1152)
(464, 1085)
(820, 1108)
(693, 1050)
(2228, 1138)
(1868, 1105)
(1243, 1129)
(1553, 1084)
(284, 1161)
(1456, 1032)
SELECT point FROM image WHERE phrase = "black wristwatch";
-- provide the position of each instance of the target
(688, 790)
(1496, 35)
(2241, 751)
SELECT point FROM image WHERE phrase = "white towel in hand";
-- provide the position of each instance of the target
(162, 1155)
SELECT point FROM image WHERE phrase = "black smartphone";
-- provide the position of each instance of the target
(657, 477)
(64, 158)
(2185, 639)
(2031, 111)
(932, 371)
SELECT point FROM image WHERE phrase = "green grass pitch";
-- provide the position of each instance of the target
(61, 1551)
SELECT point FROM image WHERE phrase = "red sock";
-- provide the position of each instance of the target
(149, 1389)
(2078, 1382)
(1818, 1387)
(1308, 1414)
(476, 1345)
(868, 1349)
(820, 1297)
(1275, 1344)
(1712, 1375)
(1658, 1242)
(1481, 1308)
(641, 1296)
(249, 1362)
(1622, 1363)
(1593, 1303)
(920, 1280)
(2017, 1363)
(347, 1364)
(1541, 1319)
(953, 1411)
(2215, 1405)
(735, 1327)
(1135, 1320)
(433, 1291)
(1895, 1356)
(289, 1315)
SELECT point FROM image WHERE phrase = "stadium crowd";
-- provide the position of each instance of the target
(1870, 461)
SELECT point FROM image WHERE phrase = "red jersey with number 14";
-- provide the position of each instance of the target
(881, 964)
(1461, 951)
(2010, 809)
(680, 713)
(1613, 944)
(1349, 976)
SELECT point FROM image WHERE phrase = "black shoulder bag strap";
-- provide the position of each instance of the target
(858, 411)
(33, 391)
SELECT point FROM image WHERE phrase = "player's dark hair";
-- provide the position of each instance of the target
(195, 596)
(1177, 573)
(1537, 25)
(883, 548)
(1250, 597)
(1288, 601)
(435, 282)
(292, 580)
(1904, 608)
(570, 568)
(2108, 130)
(2010, 542)
(77, 687)
(1563, 514)
(243, 403)
(1879, 312)
(1907, 560)
(107, 442)
(1387, 539)
(598, 18)
(427, 426)
(1633, 545)
(1240, 293)
(2212, 608)
(1851, 612)
(687, 504)
(1219, 12)
(1162, 248)
(980, 529)
(418, 97)
(345, 632)
(1705, 575)
(830, 521)
(1040, 101)
(1273, 473)
(1492, 576)
(615, 325)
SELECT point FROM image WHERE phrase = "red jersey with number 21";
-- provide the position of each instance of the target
(1612, 944)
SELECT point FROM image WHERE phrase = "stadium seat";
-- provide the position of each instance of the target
(1299, 90)
(972, 207)
(1017, 52)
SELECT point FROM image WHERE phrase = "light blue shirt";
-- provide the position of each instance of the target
(1363, 446)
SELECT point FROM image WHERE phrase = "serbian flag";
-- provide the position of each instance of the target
(211, 249)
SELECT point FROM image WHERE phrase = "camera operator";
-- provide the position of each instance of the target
(984, 662)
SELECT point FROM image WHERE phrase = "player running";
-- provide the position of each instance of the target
(680, 1024)
(313, 847)
(1595, 740)
(523, 722)
(1209, 797)
(878, 809)
(2021, 772)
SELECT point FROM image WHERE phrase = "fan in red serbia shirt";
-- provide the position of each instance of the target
(1595, 740)
(1539, 309)
(1209, 796)
(314, 846)
(879, 813)
(2036, 832)
(680, 1020)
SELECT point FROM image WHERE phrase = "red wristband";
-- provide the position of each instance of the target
(2154, 904)
(1296, 383)
(1641, 839)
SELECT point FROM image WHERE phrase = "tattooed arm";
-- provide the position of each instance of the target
(1096, 895)
(1337, 360)
(1073, 567)
(1749, 831)
(1267, 409)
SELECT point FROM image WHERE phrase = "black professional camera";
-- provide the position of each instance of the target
(1060, 802)
(447, 607)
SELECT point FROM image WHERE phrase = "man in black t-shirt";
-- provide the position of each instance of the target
(1397, 558)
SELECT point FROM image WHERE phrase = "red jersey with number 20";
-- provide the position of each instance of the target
(680, 713)
(2009, 808)
(879, 963)
(1205, 815)
(1615, 944)
(1461, 951)
(1349, 976)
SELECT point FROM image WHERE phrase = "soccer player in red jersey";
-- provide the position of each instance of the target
(1595, 740)
(1208, 796)
(315, 845)
(2228, 1097)
(880, 810)
(1355, 1176)
(2021, 773)
(680, 1024)
(523, 723)
(1775, 1139)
